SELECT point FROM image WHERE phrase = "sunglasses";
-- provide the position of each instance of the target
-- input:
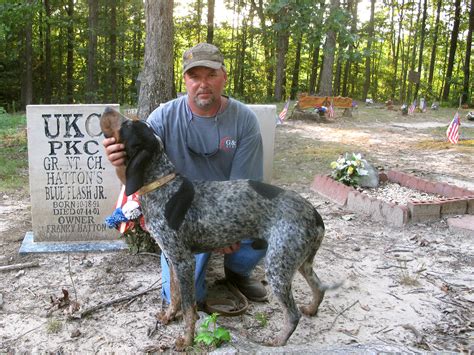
(203, 154)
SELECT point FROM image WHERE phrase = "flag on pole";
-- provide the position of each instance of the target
(453, 129)
(283, 112)
(331, 111)
(412, 107)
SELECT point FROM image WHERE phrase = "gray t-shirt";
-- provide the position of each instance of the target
(225, 147)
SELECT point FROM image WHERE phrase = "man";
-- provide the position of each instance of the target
(209, 136)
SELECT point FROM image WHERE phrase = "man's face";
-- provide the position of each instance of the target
(205, 85)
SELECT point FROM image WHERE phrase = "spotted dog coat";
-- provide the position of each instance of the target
(188, 217)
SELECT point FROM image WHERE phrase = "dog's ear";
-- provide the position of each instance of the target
(110, 123)
(135, 172)
(140, 145)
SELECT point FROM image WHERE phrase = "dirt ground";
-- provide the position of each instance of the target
(405, 289)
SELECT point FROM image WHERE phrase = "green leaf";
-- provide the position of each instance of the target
(222, 334)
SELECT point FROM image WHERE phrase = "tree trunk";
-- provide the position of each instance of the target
(370, 35)
(467, 61)
(433, 48)
(452, 49)
(267, 47)
(314, 67)
(412, 59)
(137, 41)
(296, 68)
(396, 55)
(329, 50)
(239, 74)
(28, 79)
(337, 75)
(91, 80)
(157, 79)
(282, 48)
(197, 21)
(422, 44)
(47, 93)
(210, 20)
(352, 7)
(70, 53)
(113, 51)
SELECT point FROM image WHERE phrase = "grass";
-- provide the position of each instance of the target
(13, 153)
(54, 326)
(408, 278)
(300, 159)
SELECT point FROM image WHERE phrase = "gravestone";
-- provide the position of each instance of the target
(266, 117)
(73, 186)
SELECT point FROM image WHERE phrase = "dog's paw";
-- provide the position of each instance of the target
(182, 344)
(274, 342)
(309, 310)
(163, 317)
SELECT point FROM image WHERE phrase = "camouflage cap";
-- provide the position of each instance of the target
(203, 55)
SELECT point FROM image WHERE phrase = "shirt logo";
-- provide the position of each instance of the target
(227, 144)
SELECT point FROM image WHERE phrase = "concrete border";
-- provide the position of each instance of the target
(456, 200)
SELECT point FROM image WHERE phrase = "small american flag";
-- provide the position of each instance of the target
(331, 111)
(121, 201)
(283, 112)
(411, 109)
(453, 129)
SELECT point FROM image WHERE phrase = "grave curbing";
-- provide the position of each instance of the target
(456, 200)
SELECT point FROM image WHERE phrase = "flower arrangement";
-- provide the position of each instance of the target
(348, 169)
(134, 232)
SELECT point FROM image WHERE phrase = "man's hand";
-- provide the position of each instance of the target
(115, 152)
(229, 249)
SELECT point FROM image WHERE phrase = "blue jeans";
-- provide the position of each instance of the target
(242, 262)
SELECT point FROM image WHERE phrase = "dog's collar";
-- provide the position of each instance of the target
(156, 184)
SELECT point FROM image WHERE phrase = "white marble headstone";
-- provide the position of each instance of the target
(73, 187)
(266, 117)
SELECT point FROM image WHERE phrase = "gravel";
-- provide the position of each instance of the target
(395, 193)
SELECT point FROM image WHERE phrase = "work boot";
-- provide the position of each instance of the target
(251, 288)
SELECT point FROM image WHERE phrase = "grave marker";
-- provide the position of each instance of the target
(73, 186)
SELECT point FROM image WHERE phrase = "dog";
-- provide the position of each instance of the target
(187, 217)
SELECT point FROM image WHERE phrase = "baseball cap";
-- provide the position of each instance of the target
(203, 55)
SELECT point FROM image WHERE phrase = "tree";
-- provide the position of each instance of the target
(467, 57)
(452, 49)
(352, 7)
(422, 43)
(47, 91)
(210, 21)
(434, 46)
(157, 75)
(91, 79)
(267, 46)
(296, 67)
(70, 53)
(280, 21)
(113, 51)
(28, 81)
(368, 50)
(329, 50)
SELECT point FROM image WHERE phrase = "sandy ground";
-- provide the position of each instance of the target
(405, 289)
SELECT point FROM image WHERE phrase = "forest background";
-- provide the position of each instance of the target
(93, 51)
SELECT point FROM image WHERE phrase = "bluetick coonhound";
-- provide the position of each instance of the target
(191, 217)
